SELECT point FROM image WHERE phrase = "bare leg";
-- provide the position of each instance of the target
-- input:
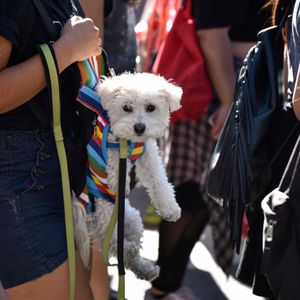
(99, 280)
(54, 285)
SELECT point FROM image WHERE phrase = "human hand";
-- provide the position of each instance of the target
(218, 119)
(80, 38)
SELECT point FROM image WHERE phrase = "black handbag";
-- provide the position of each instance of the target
(281, 239)
(241, 166)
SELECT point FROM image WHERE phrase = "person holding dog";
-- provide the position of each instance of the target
(33, 254)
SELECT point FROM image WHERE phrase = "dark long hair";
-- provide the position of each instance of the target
(278, 9)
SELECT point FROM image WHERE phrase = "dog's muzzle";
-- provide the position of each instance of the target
(139, 128)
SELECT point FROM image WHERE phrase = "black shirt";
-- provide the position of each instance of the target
(218, 13)
(244, 17)
(22, 25)
(255, 19)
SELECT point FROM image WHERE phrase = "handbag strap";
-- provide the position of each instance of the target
(48, 58)
(289, 173)
(79, 8)
(46, 19)
(279, 151)
(34, 106)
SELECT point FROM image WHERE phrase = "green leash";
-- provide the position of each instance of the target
(118, 216)
(53, 80)
(118, 212)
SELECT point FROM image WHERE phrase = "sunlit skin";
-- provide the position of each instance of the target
(217, 51)
(296, 96)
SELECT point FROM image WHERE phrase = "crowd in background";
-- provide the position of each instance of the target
(133, 32)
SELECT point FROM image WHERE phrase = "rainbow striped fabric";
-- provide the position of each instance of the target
(96, 179)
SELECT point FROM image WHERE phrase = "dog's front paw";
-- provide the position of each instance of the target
(144, 268)
(171, 214)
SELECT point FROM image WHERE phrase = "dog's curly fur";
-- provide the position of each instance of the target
(131, 99)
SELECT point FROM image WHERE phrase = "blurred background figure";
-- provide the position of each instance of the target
(156, 21)
(119, 34)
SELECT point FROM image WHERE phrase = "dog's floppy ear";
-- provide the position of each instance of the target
(174, 94)
(107, 90)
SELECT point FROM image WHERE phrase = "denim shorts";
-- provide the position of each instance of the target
(32, 228)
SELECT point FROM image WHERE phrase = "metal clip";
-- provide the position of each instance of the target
(270, 230)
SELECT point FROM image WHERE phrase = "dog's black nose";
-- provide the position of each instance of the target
(139, 128)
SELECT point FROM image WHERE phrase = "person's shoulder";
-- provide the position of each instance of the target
(16, 10)
(15, 15)
(8, 6)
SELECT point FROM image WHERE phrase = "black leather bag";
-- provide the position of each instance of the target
(241, 166)
(281, 257)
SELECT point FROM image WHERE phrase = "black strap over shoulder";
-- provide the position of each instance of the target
(35, 107)
(46, 19)
(79, 8)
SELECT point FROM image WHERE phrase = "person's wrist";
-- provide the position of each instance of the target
(63, 54)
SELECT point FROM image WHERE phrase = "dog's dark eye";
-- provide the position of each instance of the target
(127, 108)
(150, 108)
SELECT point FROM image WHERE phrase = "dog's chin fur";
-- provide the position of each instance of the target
(136, 91)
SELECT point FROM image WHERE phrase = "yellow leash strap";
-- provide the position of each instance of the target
(53, 79)
(108, 235)
(114, 219)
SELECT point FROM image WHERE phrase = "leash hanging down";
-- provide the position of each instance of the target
(96, 185)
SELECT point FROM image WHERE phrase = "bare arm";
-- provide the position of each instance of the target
(216, 48)
(18, 84)
(296, 95)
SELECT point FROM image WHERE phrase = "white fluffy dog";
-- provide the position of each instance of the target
(138, 106)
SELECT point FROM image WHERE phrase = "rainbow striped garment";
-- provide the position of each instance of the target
(96, 179)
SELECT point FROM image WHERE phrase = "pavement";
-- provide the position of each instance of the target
(203, 276)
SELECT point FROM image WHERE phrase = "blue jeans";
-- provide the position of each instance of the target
(32, 227)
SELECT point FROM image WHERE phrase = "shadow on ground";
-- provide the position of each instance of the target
(203, 285)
